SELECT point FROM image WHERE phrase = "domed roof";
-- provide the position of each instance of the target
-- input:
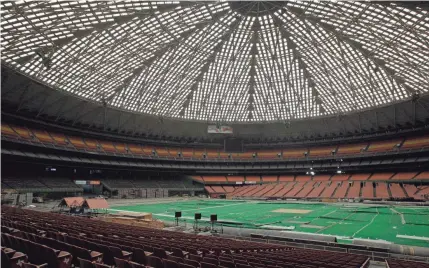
(223, 61)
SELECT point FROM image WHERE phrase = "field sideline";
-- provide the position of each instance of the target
(345, 221)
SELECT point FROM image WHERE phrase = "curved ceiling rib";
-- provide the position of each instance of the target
(240, 61)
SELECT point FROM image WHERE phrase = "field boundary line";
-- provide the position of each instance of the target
(372, 220)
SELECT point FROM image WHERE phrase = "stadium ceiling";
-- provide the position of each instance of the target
(221, 61)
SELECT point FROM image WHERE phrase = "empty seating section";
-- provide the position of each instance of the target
(305, 190)
(303, 178)
(235, 178)
(329, 190)
(197, 178)
(253, 178)
(368, 190)
(354, 190)
(341, 190)
(322, 151)
(422, 176)
(403, 176)
(269, 154)
(317, 190)
(383, 146)
(23, 183)
(269, 178)
(416, 143)
(287, 178)
(151, 183)
(340, 177)
(218, 189)
(410, 189)
(381, 190)
(351, 149)
(214, 178)
(209, 189)
(381, 176)
(228, 189)
(84, 143)
(359, 177)
(297, 153)
(321, 177)
(127, 246)
(397, 191)
(295, 190)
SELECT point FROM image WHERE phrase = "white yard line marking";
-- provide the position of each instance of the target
(413, 237)
(400, 214)
(373, 218)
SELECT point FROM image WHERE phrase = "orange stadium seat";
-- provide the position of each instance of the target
(354, 190)
(303, 178)
(174, 152)
(341, 190)
(198, 153)
(43, 136)
(107, 146)
(368, 191)
(253, 178)
(383, 146)
(7, 130)
(246, 155)
(60, 139)
(162, 152)
(416, 143)
(268, 154)
(351, 149)
(285, 190)
(329, 190)
(397, 191)
(91, 144)
(340, 177)
(223, 155)
(121, 147)
(317, 190)
(148, 150)
(286, 178)
(360, 177)
(235, 178)
(321, 177)
(404, 176)
(23, 132)
(308, 187)
(228, 189)
(296, 153)
(322, 151)
(381, 176)
(187, 152)
(295, 189)
(269, 178)
(381, 190)
(214, 178)
(212, 154)
(197, 178)
(77, 142)
(422, 176)
(218, 189)
(135, 149)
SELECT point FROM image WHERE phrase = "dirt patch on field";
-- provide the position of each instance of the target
(292, 211)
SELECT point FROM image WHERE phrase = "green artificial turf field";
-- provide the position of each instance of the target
(342, 220)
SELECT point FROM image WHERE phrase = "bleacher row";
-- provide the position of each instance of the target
(47, 184)
(325, 190)
(65, 241)
(109, 147)
(123, 183)
(386, 176)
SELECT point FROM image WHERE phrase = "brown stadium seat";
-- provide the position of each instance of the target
(192, 263)
(170, 264)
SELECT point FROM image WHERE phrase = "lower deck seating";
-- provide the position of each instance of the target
(130, 246)
(392, 263)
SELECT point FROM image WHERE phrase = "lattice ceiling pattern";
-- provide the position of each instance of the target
(221, 61)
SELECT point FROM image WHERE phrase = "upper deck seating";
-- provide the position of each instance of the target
(383, 146)
(359, 177)
(286, 178)
(77, 142)
(43, 136)
(305, 190)
(253, 178)
(268, 154)
(321, 177)
(294, 153)
(187, 153)
(381, 176)
(422, 176)
(212, 154)
(340, 177)
(7, 130)
(269, 178)
(415, 143)
(162, 152)
(303, 178)
(214, 178)
(351, 149)
(107, 146)
(286, 189)
(403, 176)
(295, 190)
(322, 151)
(24, 133)
(92, 144)
(235, 178)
